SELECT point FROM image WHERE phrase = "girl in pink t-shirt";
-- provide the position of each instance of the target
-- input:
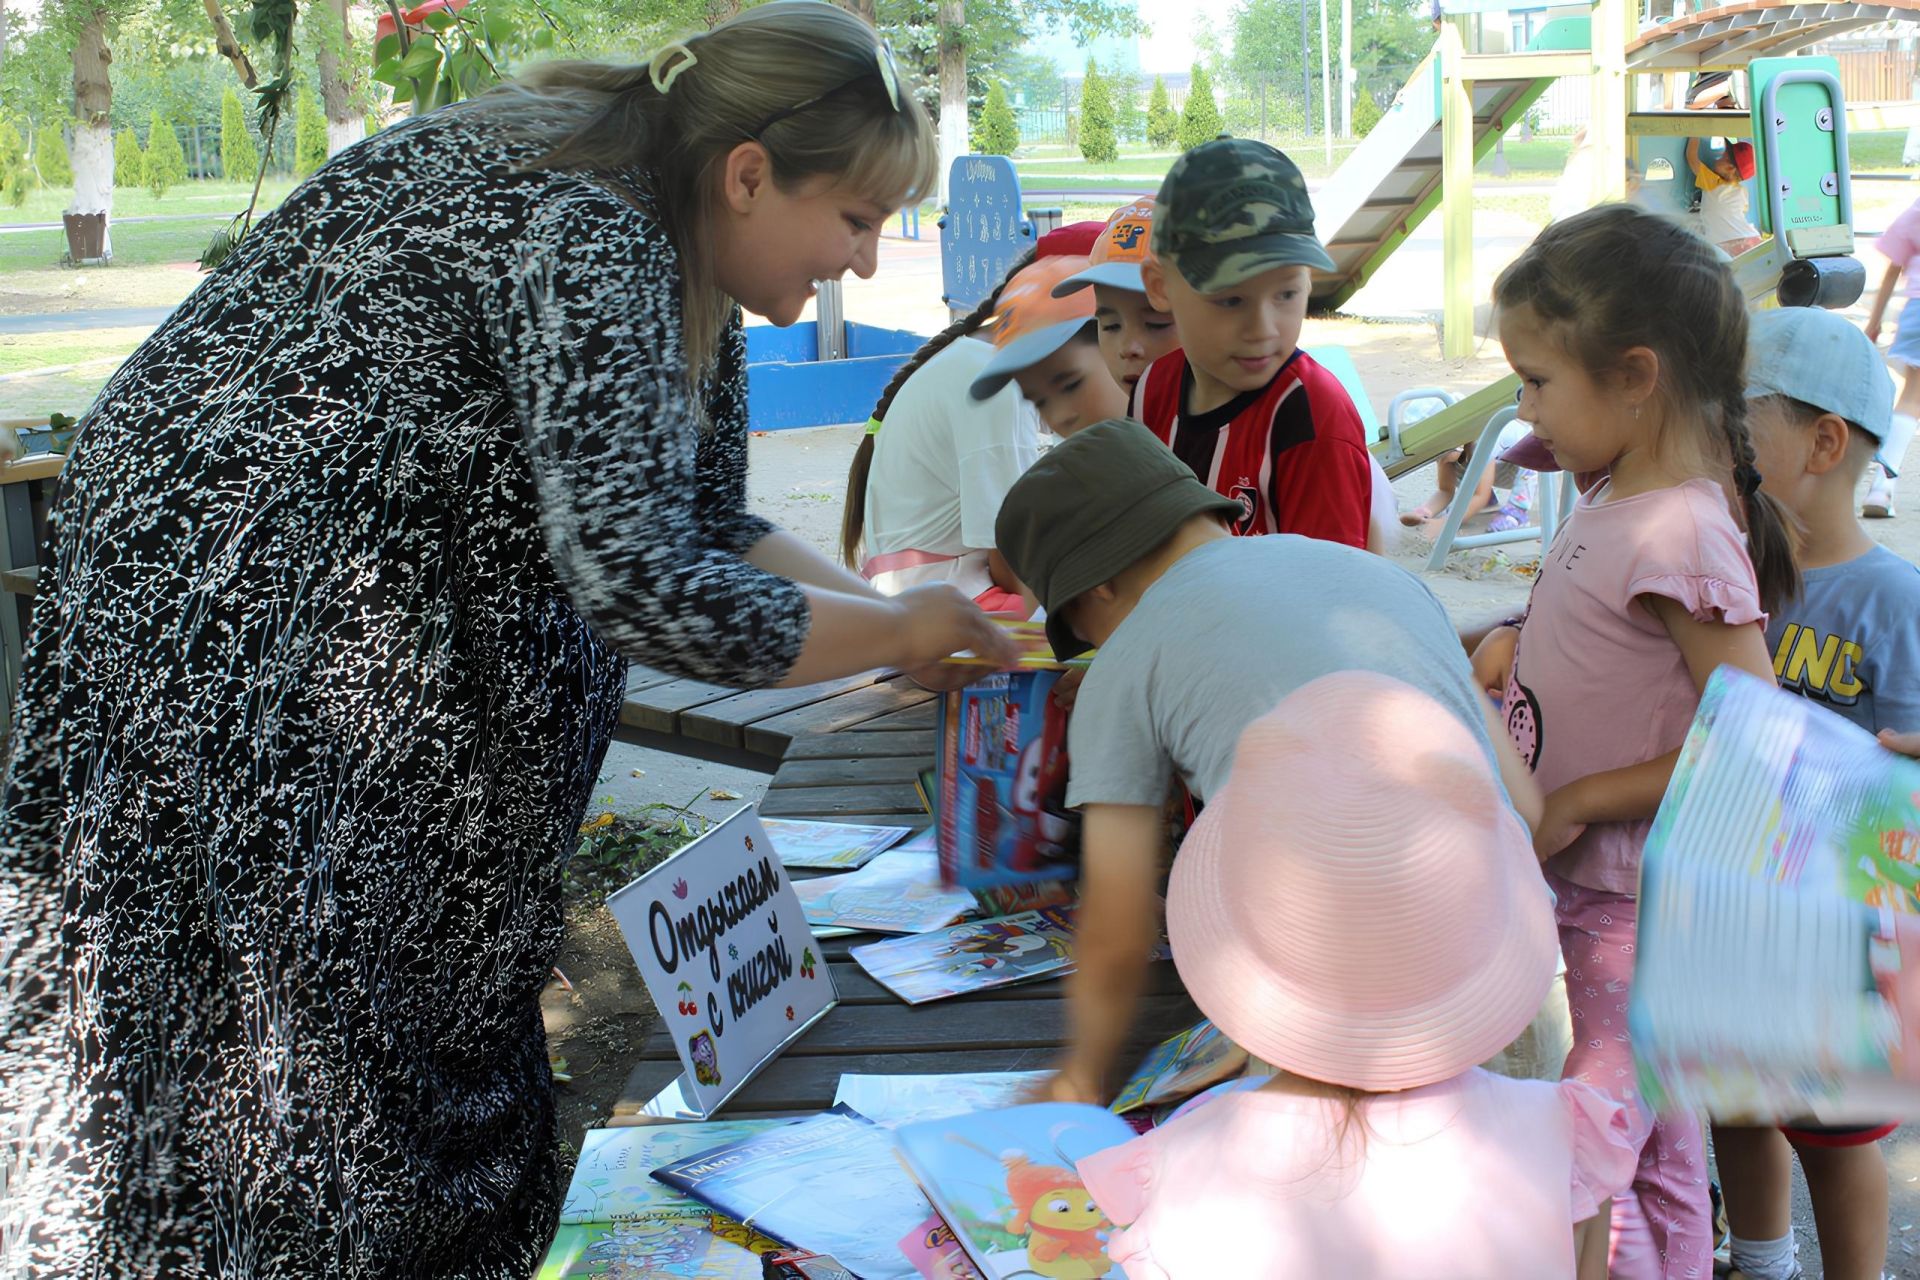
(1360, 907)
(1629, 337)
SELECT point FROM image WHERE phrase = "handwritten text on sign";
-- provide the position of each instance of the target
(713, 930)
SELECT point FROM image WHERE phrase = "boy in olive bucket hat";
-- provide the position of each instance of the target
(1199, 633)
(1254, 417)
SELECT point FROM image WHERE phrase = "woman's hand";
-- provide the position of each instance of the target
(1493, 660)
(1561, 823)
(1068, 1084)
(1873, 329)
(937, 621)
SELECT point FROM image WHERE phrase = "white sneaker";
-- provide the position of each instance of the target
(1878, 504)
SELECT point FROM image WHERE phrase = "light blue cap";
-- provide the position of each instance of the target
(1116, 275)
(1820, 358)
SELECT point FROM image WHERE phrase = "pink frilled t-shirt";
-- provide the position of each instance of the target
(1597, 683)
(1476, 1178)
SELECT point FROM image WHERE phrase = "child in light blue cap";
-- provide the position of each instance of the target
(1820, 407)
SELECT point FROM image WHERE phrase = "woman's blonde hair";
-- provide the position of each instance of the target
(808, 81)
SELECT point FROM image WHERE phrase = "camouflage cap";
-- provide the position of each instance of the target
(1231, 209)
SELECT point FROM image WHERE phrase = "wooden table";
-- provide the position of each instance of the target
(865, 774)
(753, 728)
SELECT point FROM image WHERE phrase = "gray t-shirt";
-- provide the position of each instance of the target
(1852, 641)
(1230, 629)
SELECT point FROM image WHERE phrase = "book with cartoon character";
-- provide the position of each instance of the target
(898, 892)
(830, 846)
(1778, 966)
(975, 956)
(829, 1184)
(1005, 1182)
(1001, 771)
(613, 1178)
(1179, 1067)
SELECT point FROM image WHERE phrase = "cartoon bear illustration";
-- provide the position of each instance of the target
(706, 1059)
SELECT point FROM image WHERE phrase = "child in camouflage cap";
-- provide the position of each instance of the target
(1255, 417)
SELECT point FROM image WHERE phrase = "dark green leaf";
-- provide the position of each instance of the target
(439, 20)
(386, 47)
(543, 38)
(500, 28)
(422, 60)
(388, 72)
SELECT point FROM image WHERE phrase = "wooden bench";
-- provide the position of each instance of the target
(865, 773)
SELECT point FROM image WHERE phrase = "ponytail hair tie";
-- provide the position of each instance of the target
(1747, 476)
(663, 70)
(873, 426)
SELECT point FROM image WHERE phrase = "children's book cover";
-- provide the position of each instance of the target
(830, 1184)
(936, 1254)
(975, 956)
(892, 1101)
(830, 846)
(1029, 635)
(1005, 1182)
(1002, 773)
(1778, 964)
(691, 1242)
(613, 1179)
(1181, 1066)
(898, 892)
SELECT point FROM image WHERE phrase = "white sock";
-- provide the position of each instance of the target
(1765, 1259)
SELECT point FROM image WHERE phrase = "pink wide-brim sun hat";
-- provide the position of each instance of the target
(1360, 905)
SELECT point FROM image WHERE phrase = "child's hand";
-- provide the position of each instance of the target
(1069, 1084)
(1560, 825)
(1493, 660)
(1907, 744)
(1873, 329)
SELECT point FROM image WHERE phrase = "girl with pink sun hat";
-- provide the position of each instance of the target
(1360, 909)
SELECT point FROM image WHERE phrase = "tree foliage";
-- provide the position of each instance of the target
(1097, 140)
(50, 156)
(129, 162)
(239, 156)
(309, 134)
(166, 162)
(16, 178)
(999, 129)
(1163, 122)
(1389, 39)
(1200, 118)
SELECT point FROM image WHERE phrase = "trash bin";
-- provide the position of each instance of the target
(86, 236)
(1044, 220)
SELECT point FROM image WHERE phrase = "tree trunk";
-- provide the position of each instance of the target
(346, 122)
(3, 33)
(93, 121)
(718, 11)
(953, 87)
(865, 10)
(229, 47)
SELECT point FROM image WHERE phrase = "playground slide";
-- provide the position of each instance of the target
(1392, 179)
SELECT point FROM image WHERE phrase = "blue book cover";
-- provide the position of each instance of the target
(830, 1184)
(1002, 776)
(1005, 1182)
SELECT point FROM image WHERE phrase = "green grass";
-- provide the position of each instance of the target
(20, 352)
(139, 244)
(202, 197)
(1877, 152)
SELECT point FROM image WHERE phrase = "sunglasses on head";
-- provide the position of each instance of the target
(883, 67)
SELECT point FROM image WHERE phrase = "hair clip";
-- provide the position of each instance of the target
(664, 75)
(889, 75)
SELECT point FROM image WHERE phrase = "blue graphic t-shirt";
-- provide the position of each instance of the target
(1852, 641)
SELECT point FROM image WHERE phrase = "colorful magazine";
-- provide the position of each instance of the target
(936, 1254)
(898, 892)
(976, 956)
(1002, 770)
(829, 1184)
(1181, 1066)
(1030, 635)
(1778, 966)
(891, 1101)
(830, 846)
(613, 1182)
(1005, 1182)
(1012, 899)
(702, 1245)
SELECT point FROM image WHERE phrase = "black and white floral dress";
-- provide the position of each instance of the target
(346, 571)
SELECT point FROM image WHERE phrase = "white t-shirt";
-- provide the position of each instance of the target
(942, 464)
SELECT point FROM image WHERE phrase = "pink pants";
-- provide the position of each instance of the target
(1662, 1225)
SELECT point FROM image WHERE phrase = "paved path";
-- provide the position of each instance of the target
(94, 318)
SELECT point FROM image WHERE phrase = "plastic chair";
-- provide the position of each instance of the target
(1553, 500)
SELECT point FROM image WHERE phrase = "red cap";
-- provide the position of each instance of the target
(1742, 155)
(1076, 240)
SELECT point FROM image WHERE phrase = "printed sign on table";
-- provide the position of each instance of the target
(984, 230)
(725, 951)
